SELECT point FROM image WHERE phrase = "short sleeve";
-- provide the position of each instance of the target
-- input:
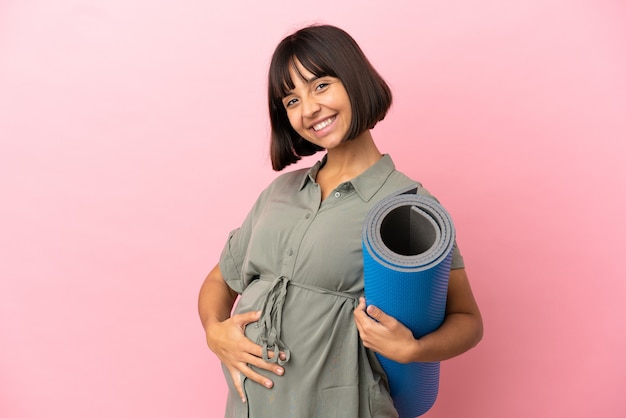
(230, 263)
(234, 253)
(457, 258)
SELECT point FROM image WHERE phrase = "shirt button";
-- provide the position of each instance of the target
(290, 252)
(337, 194)
(307, 216)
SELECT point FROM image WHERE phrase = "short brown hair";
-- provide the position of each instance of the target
(323, 50)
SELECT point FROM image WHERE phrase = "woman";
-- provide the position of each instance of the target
(301, 341)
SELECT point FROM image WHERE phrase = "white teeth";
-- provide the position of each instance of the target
(323, 124)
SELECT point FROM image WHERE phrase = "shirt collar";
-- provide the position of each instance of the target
(367, 183)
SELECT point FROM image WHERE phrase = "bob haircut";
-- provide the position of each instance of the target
(323, 50)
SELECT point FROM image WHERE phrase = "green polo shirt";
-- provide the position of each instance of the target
(299, 259)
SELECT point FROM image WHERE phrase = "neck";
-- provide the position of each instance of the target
(352, 157)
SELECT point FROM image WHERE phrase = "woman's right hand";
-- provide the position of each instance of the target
(237, 352)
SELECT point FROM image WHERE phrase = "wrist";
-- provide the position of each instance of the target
(210, 322)
(415, 351)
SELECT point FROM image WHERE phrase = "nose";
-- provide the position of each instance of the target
(309, 107)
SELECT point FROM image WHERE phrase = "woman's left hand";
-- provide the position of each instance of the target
(384, 334)
(462, 328)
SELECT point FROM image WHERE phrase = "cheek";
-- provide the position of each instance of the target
(347, 109)
(348, 115)
(294, 120)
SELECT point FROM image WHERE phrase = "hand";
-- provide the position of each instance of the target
(228, 341)
(384, 334)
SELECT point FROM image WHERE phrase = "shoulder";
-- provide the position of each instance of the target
(291, 179)
(284, 184)
(398, 180)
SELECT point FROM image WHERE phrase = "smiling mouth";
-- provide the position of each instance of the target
(323, 124)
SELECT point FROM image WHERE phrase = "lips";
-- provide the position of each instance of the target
(321, 125)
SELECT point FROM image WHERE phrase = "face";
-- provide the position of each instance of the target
(318, 109)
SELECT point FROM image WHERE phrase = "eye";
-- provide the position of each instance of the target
(321, 86)
(289, 102)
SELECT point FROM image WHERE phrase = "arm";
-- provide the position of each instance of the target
(462, 328)
(225, 334)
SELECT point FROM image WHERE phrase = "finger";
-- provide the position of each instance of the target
(377, 314)
(362, 322)
(262, 364)
(251, 374)
(257, 351)
(359, 312)
(271, 354)
(251, 353)
(236, 377)
(246, 318)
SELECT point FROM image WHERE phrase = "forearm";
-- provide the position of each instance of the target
(458, 333)
(462, 327)
(216, 299)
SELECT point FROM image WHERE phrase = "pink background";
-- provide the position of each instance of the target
(133, 137)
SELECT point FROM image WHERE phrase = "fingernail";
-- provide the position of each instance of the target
(280, 371)
(268, 384)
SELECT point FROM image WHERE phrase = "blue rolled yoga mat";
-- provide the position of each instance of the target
(408, 240)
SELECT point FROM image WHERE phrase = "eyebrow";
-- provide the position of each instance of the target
(312, 79)
(308, 81)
